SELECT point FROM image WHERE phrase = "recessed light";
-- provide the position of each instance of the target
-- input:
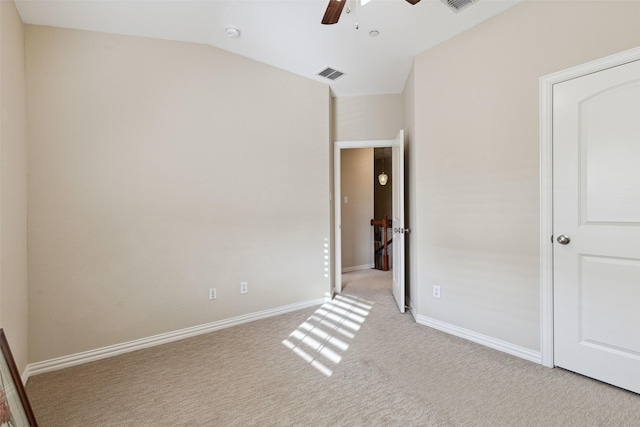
(374, 33)
(232, 33)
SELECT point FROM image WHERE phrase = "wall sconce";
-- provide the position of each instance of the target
(383, 178)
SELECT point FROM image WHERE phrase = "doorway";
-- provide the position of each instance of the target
(590, 246)
(397, 180)
(366, 188)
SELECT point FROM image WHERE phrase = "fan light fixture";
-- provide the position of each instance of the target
(383, 178)
(334, 9)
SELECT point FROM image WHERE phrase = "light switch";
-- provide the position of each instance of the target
(346, 200)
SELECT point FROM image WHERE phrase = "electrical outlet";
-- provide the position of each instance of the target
(436, 291)
(244, 287)
(212, 294)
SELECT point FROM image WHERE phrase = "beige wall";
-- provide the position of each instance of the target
(357, 186)
(157, 170)
(361, 118)
(13, 184)
(131, 222)
(475, 167)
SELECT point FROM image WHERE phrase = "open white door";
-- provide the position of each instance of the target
(397, 181)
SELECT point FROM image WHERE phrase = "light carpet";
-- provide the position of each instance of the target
(355, 362)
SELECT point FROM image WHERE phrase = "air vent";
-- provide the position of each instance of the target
(330, 73)
(457, 5)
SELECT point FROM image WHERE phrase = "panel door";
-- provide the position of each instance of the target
(596, 199)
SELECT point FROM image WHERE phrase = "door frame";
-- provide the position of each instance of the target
(546, 187)
(337, 178)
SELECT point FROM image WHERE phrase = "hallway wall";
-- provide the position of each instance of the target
(357, 210)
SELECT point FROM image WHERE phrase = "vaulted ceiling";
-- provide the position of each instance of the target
(287, 34)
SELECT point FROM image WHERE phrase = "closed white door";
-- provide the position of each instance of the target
(397, 180)
(596, 223)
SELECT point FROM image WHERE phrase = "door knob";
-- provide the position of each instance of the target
(563, 239)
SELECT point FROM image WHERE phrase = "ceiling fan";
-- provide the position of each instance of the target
(334, 9)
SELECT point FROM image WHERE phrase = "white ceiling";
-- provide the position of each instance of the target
(284, 33)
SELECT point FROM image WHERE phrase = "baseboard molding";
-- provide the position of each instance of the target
(496, 344)
(115, 350)
(358, 268)
(412, 309)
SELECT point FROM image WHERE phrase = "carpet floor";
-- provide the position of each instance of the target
(354, 362)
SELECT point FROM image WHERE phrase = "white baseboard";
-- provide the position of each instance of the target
(25, 375)
(409, 307)
(358, 268)
(115, 350)
(496, 344)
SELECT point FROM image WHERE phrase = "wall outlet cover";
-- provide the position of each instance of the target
(436, 291)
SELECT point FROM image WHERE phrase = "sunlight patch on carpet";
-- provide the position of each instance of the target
(324, 337)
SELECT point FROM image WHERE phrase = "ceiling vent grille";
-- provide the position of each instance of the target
(330, 73)
(458, 5)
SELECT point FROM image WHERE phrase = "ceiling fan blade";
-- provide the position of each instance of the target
(413, 1)
(334, 9)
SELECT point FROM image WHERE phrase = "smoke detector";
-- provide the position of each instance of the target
(232, 33)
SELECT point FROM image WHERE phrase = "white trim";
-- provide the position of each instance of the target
(374, 143)
(546, 222)
(412, 310)
(25, 375)
(358, 268)
(494, 343)
(546, 186)
(115, 350)
(337, 219)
